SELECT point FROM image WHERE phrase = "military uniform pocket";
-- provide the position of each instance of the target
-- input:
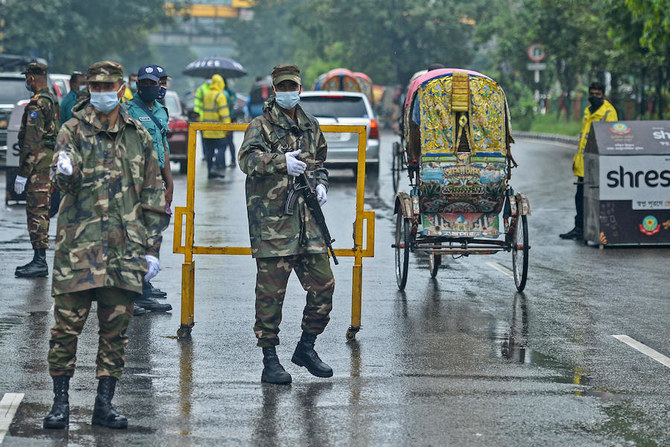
(136, 248)
(279, 228)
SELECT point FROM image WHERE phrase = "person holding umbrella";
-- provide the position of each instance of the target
(215, 110)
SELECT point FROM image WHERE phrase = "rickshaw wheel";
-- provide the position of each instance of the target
(434, 262)
(397, 166)
(402, 244)
(520, 248)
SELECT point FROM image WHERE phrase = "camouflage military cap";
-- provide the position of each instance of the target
(36, 68)
(284, 72)
(105, 71)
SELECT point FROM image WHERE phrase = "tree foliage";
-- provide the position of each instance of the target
(391, 39)
(71, 34)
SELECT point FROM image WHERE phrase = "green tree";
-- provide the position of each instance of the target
(654, 38)
(390, 39)
(268, 39)
(71, 34)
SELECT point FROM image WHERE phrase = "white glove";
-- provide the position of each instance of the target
(20, 184)
(64, 164)
(154, 267)
(294, 166)
(321, 194)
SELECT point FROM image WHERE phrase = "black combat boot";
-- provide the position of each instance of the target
(104, 412)
(575, 233)
(36, 268)
(59, 416)
(305, 355)
(273, 372)
(151, 305)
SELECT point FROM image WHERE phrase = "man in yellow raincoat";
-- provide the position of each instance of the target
(599, 109)
(214, 110)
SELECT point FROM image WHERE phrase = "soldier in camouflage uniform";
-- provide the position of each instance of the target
(37, 136)
(108, 237)
(278, 146)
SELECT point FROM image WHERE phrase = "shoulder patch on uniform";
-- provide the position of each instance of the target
(33, 115)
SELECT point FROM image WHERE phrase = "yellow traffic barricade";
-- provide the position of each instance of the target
(184, 219)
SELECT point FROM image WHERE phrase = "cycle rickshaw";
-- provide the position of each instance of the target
(456, 146)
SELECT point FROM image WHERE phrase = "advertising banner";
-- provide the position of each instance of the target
(627, 183)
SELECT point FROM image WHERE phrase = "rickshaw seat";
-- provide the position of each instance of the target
(462, 184)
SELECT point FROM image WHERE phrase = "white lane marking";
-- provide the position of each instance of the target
(501, 269)
(644, 349)
(8, 406)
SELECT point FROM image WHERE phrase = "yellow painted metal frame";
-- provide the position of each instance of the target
(185, 216)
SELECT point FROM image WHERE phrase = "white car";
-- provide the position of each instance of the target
(347, 108)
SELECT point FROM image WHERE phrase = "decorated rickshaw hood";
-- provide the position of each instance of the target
(414, 85)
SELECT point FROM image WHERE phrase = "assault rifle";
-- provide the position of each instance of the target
(301, 186)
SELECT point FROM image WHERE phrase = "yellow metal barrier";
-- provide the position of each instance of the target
(185, 217)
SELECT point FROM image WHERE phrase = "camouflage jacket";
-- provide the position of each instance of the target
(262, 158)
(37, 135)
(113, 208)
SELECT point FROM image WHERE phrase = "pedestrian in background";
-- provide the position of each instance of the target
(259, 93)
(279, 146)
(228, 143)
(36, 138)
(131, 87)
(108, 237)
(599, 109)
(77, 85)
(215, 110)
(163, 82)
(146, 108)
(199, 100)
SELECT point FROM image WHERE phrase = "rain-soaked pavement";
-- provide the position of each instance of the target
(459, 360)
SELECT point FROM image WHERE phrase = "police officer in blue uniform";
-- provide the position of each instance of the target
(153, 115)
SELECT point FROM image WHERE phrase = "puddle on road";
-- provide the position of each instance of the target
(9, 322)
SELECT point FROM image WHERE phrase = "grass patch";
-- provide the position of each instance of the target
(549, 123)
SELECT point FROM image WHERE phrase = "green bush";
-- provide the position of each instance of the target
(549, 123)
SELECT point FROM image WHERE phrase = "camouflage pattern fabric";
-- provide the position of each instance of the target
(37, 136)
(113, 207)
(262, 158)
(38, 204)
(115, 309)
(272, 275)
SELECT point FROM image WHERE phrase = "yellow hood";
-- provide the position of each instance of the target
(218, 84)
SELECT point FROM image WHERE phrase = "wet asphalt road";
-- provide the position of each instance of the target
(459, 360)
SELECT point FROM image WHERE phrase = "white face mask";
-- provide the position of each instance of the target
(288, 100)
(105, 102)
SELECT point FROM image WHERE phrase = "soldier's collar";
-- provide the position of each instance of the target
(302, 121)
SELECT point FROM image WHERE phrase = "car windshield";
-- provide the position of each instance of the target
(172, 104)
(335, 106)
(12, 90)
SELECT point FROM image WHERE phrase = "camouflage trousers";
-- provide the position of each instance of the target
(272, 275)
(38, 196)
(115, 309)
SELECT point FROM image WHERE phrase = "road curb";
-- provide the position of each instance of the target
(565, 139)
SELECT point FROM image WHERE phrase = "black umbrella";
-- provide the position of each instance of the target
(209, 66)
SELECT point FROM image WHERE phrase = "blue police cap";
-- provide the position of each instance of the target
(160, 71)
(148, 72)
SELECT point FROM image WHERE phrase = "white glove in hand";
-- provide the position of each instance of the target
(64, 164)
(321, 194)
(20, 184)
(294, 166)
(154, 267)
